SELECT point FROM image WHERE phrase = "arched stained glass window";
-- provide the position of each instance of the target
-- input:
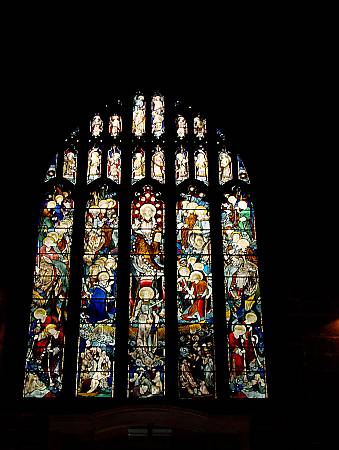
(155, 293)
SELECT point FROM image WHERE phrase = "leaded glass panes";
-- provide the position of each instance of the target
(139, 115)
(181, 125)
(194, 297)
(246, 360)
(44, 358)
(51, 172)
(158, 164)
(114, 163)
(200, 127)
(143, 154)
(99, 291)
(225, 167)
(181, 165)
(94, 164)
(146, 370)
(158, 115)
(201, 165)
(138, 165)
(242, 172)
(96, 125)
(115, 125)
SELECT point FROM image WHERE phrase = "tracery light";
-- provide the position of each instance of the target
(114, 163)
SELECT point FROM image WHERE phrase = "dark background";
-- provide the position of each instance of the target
(271, 91)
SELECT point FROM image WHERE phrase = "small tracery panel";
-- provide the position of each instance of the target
(99, 289)
(194, 297)
(181, 165)
(94, 164)
(146, 370)
(51, 172)
(138, 165)
(139, 115)
(158, 164)
(242, 172)
(181, 125)
(114, 164)
(158, 115)
(115, 125)
(200, 127)
(201, 165)
(96, 126)
(44, 358)
(225, 167)
(246, 359)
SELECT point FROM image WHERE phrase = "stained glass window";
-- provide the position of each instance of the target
(94, 164)
(158, 118)
(44, 358)
(96, 126)
(138, 165)
(139, 115)
(225, 167)
(146, 370)
(115, 125)
(201, 165)
(158, 164)
(194, 297)
(51, 172)
(114, 163)
(246, 359)
(181, 165)
(212, 328)
(99, 291)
